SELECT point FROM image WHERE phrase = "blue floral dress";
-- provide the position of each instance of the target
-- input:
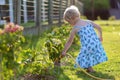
(92, 51)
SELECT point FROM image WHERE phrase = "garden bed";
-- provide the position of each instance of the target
(38, 77)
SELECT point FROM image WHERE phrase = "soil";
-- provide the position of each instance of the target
(38, 77)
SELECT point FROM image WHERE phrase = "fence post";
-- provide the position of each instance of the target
(38, 15)
(17, 11)
(60, 13)
(25, 11)
(72, 2)
(67, 3)
(11, 10)
(35, 10)
(50, 12)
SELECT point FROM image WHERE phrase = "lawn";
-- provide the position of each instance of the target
(107, 70)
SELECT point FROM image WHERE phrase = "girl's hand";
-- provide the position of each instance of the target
(63, 54)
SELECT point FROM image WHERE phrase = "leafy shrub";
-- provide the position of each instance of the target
(31, 61)
(63, 33)
(10, 40)
(54, 47)
(56, 39)
(112, 18)
(98, 4)
(2, 26)
(83, 17)
(98, 18)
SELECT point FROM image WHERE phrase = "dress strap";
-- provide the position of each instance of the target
(89, 22)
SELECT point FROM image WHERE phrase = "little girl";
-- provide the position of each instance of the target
(92, 51)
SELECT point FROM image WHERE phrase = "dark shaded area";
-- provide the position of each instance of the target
(7, 19)
(104, 14)
(38, 77)
(92, 12)
(113, 3)
(115, 8)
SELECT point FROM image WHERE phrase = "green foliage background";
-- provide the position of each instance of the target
(98, 4)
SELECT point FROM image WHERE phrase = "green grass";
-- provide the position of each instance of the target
(111, 36)
(109, 69)
(33, 24)
(28, 24)
(108, 23)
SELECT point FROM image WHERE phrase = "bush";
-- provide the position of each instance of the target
(98, 4)
(2, 26)
(83, 17)
(111, 18)
(10, 40)
(16, 60)
(34, 62)
(54, 47)
(99, 18)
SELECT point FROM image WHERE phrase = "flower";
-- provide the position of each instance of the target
(11, 27)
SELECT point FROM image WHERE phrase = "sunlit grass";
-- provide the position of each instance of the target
(28, 24)
(112, 46)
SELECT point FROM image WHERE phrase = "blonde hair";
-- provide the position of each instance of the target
(71, 12)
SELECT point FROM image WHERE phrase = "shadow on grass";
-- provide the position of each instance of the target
(103, 76)
(60, 75)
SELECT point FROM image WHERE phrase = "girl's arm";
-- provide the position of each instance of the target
(69, 42)
(99, 30)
